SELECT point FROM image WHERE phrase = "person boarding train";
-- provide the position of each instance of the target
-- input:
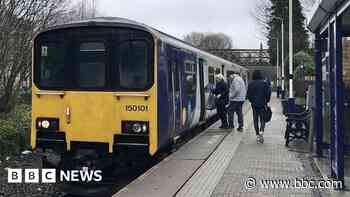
(221, 92)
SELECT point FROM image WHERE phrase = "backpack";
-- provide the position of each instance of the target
(267, 113)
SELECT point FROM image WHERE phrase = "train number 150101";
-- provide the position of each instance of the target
(136, 108)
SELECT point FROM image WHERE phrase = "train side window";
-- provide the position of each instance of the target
(176, 77)
(211, 75)
(217, 71)
(171, 66)
(92, 67)
(190, 77)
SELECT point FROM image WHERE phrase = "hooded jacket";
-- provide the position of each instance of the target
(238, 89)
(259, 93)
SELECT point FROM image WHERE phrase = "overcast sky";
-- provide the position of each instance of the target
(179, 17)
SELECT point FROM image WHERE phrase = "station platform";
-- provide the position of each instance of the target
(227, 163)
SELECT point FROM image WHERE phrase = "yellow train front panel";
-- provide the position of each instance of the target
(95, 116)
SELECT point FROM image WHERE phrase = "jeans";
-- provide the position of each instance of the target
(258, 116)
(235, 106)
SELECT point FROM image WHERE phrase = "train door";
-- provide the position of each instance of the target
(202, 91)
(346, 82)
(176, 96)
(326, 100)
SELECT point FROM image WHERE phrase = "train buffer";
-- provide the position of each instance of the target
(229, 163)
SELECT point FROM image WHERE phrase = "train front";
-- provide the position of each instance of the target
(94, 90)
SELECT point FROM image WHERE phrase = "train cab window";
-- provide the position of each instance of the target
(51, 65)
(92, 68)
(80, 59)
(211, 75)
(133, 64)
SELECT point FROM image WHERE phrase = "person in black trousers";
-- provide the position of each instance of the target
(237, 97)
(259, 94)
(221, 92)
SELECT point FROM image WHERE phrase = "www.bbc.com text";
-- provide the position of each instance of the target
(297, 183)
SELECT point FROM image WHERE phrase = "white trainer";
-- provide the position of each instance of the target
(258, 139)
(261, 138)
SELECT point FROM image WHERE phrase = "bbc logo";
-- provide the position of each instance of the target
(31, 176)
(50, 175)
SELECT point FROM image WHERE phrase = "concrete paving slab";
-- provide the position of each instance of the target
(261, 162)
(164, 179)
(203, 182)
(201, 148)
(205, 179)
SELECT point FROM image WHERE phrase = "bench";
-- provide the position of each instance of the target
(297, 126)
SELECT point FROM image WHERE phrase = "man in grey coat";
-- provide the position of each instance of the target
(237, 97)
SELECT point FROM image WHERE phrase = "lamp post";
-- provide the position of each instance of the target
(283, 75)
(291, 101)
(302, 72)
(277, 66)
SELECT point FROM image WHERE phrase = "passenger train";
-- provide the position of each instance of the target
(104, 84)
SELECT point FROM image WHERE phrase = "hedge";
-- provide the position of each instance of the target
(15, 130)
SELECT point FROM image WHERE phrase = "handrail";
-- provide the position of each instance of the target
(131, 94)
(45, 92)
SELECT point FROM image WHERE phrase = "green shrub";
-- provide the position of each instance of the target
(15, 130)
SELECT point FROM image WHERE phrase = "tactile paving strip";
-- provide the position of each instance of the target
(201, 148)
(203, 182)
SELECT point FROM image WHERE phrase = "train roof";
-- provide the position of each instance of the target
(110, 21)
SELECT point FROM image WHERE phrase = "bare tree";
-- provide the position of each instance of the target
(217, 41)
(262, 15)
(194, 38)
(20, 21)
(209, 41)
(81, 10)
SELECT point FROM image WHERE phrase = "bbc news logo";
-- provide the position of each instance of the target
(52, 175)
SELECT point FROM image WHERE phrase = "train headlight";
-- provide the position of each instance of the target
(45, 124)
(144, 128)
(135, 127)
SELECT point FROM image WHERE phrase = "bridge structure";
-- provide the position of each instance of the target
(253, 59)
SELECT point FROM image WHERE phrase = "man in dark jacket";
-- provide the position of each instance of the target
(259, 94)
(221, 92)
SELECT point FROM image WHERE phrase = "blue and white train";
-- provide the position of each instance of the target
(108, 83)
